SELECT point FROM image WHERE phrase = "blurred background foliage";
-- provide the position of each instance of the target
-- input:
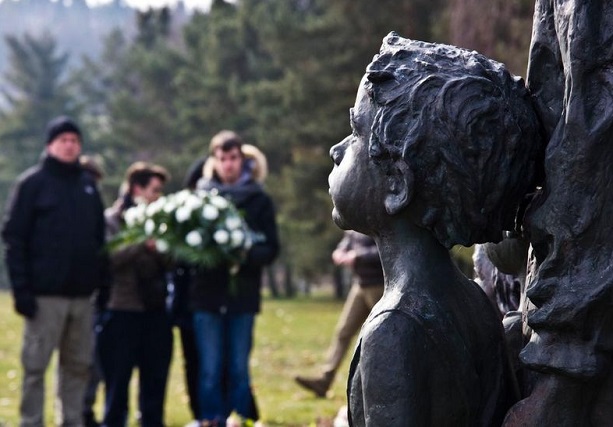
(156, 85)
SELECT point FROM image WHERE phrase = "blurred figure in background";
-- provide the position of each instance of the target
(182, 316)
(358, 252)
(224, 315)
(502, 289)
(135, 329)
(92, 165)
(54, 235)
(501, 270)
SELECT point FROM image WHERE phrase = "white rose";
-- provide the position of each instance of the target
(210, 212)
(183, 213)
(202, 194)
(219, 201)
(162, 246)
(237, 237)
(162, 228)
(221, 237)
(248, 241)
(139, 213)
(170, 206)
(193, 202)
(130, 217)
(233, 222)
(193, 238)
(182, 196)
(153, 208)
(149, 227)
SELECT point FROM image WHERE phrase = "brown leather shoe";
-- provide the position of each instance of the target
(319, 385)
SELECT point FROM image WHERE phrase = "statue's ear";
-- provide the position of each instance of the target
(399, 191)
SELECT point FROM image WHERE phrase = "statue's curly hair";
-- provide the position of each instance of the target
(465, 127)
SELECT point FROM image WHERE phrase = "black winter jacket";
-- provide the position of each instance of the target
(54, 231)
(211, 289)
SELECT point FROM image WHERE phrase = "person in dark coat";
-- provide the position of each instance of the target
(180, 313)
(54, 235)
(181, 279)
(224, 304)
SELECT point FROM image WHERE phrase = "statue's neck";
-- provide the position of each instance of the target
(412, 258)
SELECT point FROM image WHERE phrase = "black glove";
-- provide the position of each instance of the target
(25, 304)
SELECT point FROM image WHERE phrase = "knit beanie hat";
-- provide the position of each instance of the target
(60, 125)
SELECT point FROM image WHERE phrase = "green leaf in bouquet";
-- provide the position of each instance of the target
(127, 236)
(197, 256)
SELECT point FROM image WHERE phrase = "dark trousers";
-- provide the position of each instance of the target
(190, 364)
(129, 340)
(95, 378)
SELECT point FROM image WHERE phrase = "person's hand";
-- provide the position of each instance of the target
(338, 256)
(25, 304)
(150, 245)
(350, 257)
(346, 258)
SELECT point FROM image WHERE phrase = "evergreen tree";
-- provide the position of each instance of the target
(35, 93)
(322, 49)
(128, 97)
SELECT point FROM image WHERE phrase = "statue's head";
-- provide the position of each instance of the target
(444, 136)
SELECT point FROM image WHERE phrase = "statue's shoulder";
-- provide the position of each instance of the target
(387, 328)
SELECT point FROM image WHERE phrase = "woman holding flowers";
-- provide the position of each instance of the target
(135, 330)
(225, 299)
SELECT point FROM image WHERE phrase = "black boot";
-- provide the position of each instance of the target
(318, 385)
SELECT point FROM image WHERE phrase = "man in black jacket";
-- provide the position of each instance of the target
(225, 306)
(54, 234)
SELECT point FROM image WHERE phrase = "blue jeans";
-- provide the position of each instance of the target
(224, 344)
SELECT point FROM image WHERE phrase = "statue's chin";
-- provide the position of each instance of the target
(339, 221)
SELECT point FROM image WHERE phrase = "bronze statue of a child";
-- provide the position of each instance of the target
(442, 151)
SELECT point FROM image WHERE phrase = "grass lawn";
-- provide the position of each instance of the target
(291, 338)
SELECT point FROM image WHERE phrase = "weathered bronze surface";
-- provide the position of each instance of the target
(570, 76)
(443, 150)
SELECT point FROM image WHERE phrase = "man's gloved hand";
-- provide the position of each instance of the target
(25, 304)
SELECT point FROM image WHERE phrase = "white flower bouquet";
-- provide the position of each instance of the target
(200, 228)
